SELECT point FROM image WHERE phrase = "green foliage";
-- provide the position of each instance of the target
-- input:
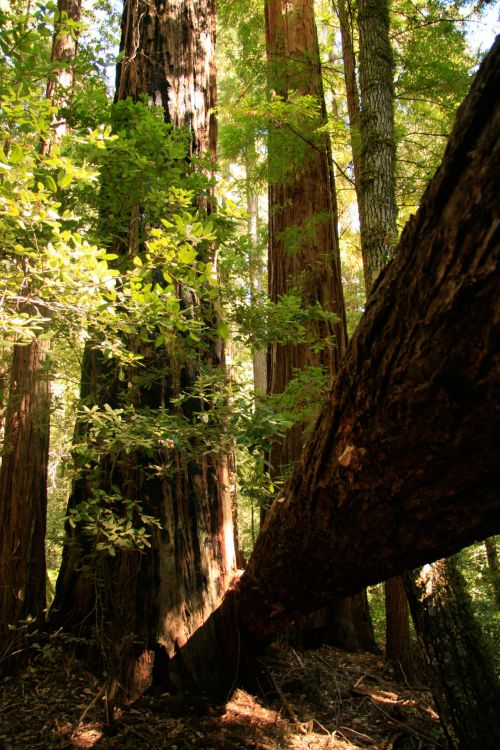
(433, 73)
(474, 567)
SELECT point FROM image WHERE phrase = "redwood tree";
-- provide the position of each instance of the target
(23, 470)
(405, 451)
(142, 606)
(304, 248)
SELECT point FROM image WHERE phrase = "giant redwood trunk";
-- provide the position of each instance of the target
(460, 670)
(303, 239)
(403, 466)
(304, 248)
(140, 607)
(23, 470)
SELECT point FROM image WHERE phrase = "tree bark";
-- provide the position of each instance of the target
(23, 471)
(460, 670)
(377, 205)
(23, 503)
(397, 628)
(302, 199)
(137, 608)
(403, 466)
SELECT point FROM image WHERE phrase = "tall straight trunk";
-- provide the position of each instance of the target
(255, 274)
(377, 207)
(23, 503)
(460, 670)
(147, 604)
(23, 471)
(351, 88)
(398, 649)
(303, 201)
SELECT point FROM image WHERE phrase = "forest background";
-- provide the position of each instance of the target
(58, 263)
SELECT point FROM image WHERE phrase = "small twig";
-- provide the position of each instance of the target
(91, 704)
(297, 657)
(320, 725)
(359, 734)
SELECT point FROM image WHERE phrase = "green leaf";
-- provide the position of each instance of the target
(64, 179)
(51, 183)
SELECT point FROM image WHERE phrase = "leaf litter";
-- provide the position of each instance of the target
(323, 699)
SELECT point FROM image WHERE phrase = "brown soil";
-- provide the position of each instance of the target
(318, 700)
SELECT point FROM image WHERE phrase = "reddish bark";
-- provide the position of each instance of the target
(405, 452)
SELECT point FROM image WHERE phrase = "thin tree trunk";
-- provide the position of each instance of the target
(144, 606)
(460, 669)
(398, 649)
(303, 201)
(351, 88)
(255, 274)
(377, 206)
(402, 467)
(23, 471)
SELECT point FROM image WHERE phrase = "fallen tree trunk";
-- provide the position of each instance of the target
(403, 465)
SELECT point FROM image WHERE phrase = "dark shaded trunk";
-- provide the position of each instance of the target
(23, 471)
(139, 607)
(303, 245)
(402, 467)
(398, 648)
(460, 670)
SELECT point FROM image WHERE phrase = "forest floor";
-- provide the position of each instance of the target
(322, 699)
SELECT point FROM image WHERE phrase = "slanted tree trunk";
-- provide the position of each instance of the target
(23, 471)
(304, 248)
(402, 467)
(460, 669)
(143, 606)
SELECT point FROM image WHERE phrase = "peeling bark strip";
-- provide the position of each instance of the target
(414, 408)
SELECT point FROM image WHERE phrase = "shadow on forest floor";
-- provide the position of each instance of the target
(322, 700)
